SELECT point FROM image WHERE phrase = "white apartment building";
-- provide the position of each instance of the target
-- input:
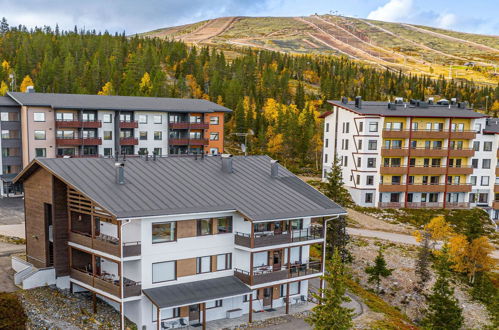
(421, 154)
(180, 240)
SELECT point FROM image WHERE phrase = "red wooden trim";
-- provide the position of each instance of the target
(408, 161)
(447, 165)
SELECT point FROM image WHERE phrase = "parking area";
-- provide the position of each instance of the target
(11, 211)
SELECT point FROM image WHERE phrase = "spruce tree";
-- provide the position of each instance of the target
(378, 270)
(329, 314)
(333, 187)
(338, 239)
(423, 262)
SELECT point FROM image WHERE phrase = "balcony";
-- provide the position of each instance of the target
(391, 187)
(393, 170)
(78, 124)
(497, 171)
(103, 243)
(267, 274)
(272, 238)
(437, 187)
(496, 188)
(107, 283)
(424, 205)
(187, 125)
(495, 205)
(463, 187)
(395, 134)
(129, 124)
(429, 134)
(129, 141)
(394, 152)
(427, 170)
(131, 249)
(428, 152)
(188, 141)
(78, 156)
(460, 170)
(390, 205)
(61, 142)
(457, 205)
(463, 135)
(467, 152)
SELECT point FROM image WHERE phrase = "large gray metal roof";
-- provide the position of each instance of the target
(7, 102)
(408, 110)
(179, 185)
(114, 102)
(177, 295)
(492, 126)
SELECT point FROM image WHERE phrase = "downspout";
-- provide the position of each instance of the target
(122, 316)
(323, 283)
(447, 164)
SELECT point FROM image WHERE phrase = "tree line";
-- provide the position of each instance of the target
(275, 97)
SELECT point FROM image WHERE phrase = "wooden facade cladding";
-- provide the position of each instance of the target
(496, 188)
(38, 196)
(428, 170)
(392, 134)
(399, 170)
(186, 267)
(495, 205)
(79, 203)
(186, 229)
(428, 152)
(401, 152)
(60, 228)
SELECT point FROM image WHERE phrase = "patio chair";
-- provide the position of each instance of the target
(165, 325)
(183, 324)
(302, 299)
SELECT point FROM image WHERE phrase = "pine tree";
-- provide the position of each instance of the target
(443, 310)
(4, 26)
(333, 187)
(423, 262)
(338, 239)
(300, 96)
(329, 314)
(378, 270)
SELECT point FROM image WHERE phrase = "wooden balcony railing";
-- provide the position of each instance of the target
(75, 141)
(273, 238)
(129, 124)
(107, 284)
(129, 141)
(267, 274)
(424, 205)
(427, 152)
(78, 124)
(429, 134)
(187, 125)
(188, 141)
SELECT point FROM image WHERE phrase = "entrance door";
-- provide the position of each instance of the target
(267, 297)
(276, 262)
(194, 314)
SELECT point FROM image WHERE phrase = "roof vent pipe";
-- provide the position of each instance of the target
(227, 163)
(344, 100)
(274, 168)
(30, 89)
(358, 102)
(120, 173)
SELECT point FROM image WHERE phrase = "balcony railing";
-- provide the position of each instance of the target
(429, 134)
(424, 205)
(129, 124)
(107, 283)
(131, 249)
(105, 243)
(428, 152)
(78, 156)
(420, 187)
(78, 124)
(267, 274)
(129, 141)
(275, 238)
(188, 125)
(188, 141)
(75, 141)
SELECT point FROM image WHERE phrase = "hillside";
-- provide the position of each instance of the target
(410, 48)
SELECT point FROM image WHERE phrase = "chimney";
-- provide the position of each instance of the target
(274, 168)
(358, 102)
(399, 100)
(120, 173)
(392, 106)
(344, 100)
(453, 101)
(227, 163)
(30, 89)
(431, 100)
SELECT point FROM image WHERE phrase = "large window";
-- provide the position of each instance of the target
(142, 119)
(39, 135)
(164, 271)
(108, 135)
(224, 261)
(224, 225)
(203, 265)
(487, 146)
(66, 116)
(163, 232)
(204, 227)
(214, 120)
(39, 116)
(9, 116)
(157, 119)
(107, 118)
(214, 304)
(40, 152)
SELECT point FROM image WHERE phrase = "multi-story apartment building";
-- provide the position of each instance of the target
(74, 125)
(414, 155)
(183, 240)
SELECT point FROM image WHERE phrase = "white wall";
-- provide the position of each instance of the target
(150, 127)
(106, 127)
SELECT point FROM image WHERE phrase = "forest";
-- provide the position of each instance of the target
(276, 97)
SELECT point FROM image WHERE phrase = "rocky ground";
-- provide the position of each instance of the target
(360, 220)
(51, 308)
(398, 289)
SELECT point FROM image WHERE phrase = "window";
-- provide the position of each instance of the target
(360, 145)
(486, 163)
(88, 134)
(327, 127)
(372, 145)
(4, 116)
(40, 152)
(485, 181)
(359, 162)
(107, 118)
(39, 116)
(345, 161)
(325, 158)
(9, 116)
(108, 151)
(163, 232)
(224, 261)
(371, 162)
(326, 143)
(203, 265)
(361, 126)
(474, 163)
(39, 135)
(296, 224)
(158, 135)
(472, 197)
(294, 288)
(214, 120)
(195, 119)
(483, 198)
(357, 181)
(164, 271)
(214, 304)
(143, 151)
(476, 145)
(142, 119)
(224, 225)
(370, 180)
(157, 119)
(166, 314)
(108, 135)
(373, 127)
(487, 146)
(204, 227)
(473, 180)
(64, 116)
(143, 135)
(214, 136)
(88, 116)
(158, 151)
(478, 127)
(368, 198)
(126, 117)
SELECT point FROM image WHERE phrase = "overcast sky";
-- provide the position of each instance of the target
(132, 16)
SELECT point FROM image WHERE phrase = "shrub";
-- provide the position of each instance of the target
(11, 312)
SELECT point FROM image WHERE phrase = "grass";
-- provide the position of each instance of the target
(394, 319)
(12, 240)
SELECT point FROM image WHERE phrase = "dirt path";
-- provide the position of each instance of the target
(209, 30)
(364, 221)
